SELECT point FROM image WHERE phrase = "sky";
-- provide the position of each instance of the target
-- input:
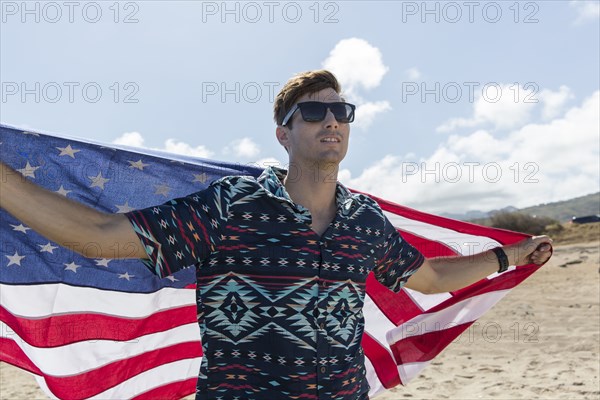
(461, 106)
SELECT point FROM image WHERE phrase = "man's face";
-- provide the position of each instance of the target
(316, 144)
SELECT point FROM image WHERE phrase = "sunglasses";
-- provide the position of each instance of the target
(315, 111)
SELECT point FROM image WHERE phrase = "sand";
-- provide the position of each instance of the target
(542, 341)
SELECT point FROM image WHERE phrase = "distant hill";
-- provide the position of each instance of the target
(562, 211)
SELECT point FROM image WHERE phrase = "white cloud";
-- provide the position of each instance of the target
(356, 63)
(534, 163)
(505, 106)
(587, 10)
(554, 102)
(173, 146)
(366, 112)
(244, 148)
(135, 139)
(413, 73)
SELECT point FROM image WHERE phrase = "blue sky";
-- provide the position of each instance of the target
(461, 105)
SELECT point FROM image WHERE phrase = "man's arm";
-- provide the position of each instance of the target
(80, 228)
(446, 274)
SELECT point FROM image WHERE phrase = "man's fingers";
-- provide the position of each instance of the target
(544, 247)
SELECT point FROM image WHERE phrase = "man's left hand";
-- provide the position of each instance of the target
(533, 250)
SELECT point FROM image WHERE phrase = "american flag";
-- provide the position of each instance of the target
(110, 329)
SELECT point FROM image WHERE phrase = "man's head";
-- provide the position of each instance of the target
(312, 134)
(303, 83)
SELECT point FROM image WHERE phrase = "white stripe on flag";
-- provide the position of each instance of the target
(427, 301)
(28, 300)
(79, 357)
(167, 373)
(462, 243)
(376, 323)
(462, 312)
(376, 387)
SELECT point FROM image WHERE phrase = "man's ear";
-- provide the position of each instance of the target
(282, 134)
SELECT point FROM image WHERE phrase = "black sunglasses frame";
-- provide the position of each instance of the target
(325, 107)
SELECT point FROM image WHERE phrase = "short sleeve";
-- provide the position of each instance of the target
(398, 259)
(179, 233)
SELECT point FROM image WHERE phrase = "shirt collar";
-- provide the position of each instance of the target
(272, 181)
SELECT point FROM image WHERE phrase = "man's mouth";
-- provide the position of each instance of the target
(330, 140)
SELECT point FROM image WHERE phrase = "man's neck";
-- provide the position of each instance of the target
(313, 187)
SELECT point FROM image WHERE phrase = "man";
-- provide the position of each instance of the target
(281, 261)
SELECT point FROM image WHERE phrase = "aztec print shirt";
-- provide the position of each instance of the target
(279, 307)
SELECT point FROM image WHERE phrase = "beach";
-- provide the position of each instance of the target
(542, 341)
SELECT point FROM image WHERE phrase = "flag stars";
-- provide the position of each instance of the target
(124, 208)
(137, 164)
(202, 178)
(172, 278)
(162, 189)
(28, 171)
(126, 276)
(48, 248)
(20, 228)
(103, 262)
(14, 259)
(62, 191)
(67, 151)
(72, 266)
(98, 181)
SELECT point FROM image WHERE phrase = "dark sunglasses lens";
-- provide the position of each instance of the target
(313, 111)
(316, 111)
(343, 112)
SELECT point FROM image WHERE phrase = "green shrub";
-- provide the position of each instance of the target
(516, 221)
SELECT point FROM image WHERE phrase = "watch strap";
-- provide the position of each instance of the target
(502, 259)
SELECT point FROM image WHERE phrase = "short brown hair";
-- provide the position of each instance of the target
(299, 85)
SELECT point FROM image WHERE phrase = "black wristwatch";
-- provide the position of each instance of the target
(502, 259)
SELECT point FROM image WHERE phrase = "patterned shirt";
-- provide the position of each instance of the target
(279, 307)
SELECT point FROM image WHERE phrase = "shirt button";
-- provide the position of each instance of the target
(323, 369)
(322, 326)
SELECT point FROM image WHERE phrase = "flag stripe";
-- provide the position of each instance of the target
(111, 375)
(382, 361)
(91, 300)
(61, 330)
(67, 360)
(175, 389)
(179, 371)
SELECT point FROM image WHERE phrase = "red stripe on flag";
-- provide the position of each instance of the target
(505, 281)
(383, 362)
(11, 353)
(429, 248)
(105, 377)
(59, 330)
(174, 390)
(500, 235)
(425, 345)
(397, 307)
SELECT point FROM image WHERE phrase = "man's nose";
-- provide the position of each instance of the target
(330, 121)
